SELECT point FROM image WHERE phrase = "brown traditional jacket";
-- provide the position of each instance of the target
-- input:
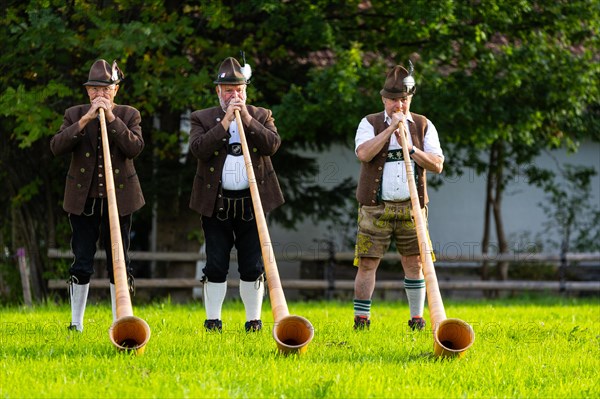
(126, 143)
(369, 183)
(208, 143)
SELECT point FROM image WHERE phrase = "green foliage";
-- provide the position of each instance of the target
(520, 73)
(27, 192)
(11, 291)
(57, 269)
(30, 112)
(306, 110)
(524, 76)
(532, 341)
(572, 212)
(307, 198)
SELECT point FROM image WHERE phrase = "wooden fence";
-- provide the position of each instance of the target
(329, 260)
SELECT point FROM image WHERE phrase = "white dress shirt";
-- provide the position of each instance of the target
(394, 185)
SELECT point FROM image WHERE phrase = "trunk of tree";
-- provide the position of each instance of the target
(493, 208)
(25, 230)
(24, 236)
(502, 269)
(489, 200)
(50, 212)
(489, 197)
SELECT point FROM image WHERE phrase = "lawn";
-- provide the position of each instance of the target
(538, 347)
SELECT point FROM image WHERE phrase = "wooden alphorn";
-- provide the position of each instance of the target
(127, 332)
(452, 337)
(291, 333)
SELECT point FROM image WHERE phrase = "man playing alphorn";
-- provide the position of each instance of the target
(221, 192)
(85, 190)
(383, 194)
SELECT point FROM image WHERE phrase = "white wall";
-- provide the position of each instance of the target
(456, 209)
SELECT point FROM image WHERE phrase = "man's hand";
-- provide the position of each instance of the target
(106, 104)
(398, 121)
(397, 118)
(244, 114)
(92, 113)
(236, 105)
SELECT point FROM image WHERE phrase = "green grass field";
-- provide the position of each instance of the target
(524, 348)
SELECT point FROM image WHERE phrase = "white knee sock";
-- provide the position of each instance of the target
(252, 293)
(79, 294)
(214, 295)
(113, 301)
(415, 292)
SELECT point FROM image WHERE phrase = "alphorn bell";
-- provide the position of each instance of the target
(452, 337)
(128, 332)
(291, 333)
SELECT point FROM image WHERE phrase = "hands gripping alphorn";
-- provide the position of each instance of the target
(452, 337)
(127, 332)
(291, 333)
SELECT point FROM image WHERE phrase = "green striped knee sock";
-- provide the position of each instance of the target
(362, 307)
(415, 292)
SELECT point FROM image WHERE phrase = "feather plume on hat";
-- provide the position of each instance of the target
(117, 74)
(409, 81)
(246, 69)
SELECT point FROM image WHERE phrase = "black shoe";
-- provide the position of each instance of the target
(361, 322)
(213, 325)
(416, 323)
(73, 327)
(253, 326)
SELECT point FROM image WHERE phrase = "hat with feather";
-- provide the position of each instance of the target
(232, 73)
(104, 74)
(399, 82)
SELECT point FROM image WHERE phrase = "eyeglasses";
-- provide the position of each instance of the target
(101, 89)
(401, 99)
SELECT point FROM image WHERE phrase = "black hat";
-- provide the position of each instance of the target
(102, 74)
(398, 83)
(230, 72)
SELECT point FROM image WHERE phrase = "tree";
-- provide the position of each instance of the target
(509, 79)
(527, 75)
(506, 79)
(572, 213)
(169, 51)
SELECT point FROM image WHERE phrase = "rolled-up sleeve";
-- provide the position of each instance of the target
(431, 143)
(364, 132)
